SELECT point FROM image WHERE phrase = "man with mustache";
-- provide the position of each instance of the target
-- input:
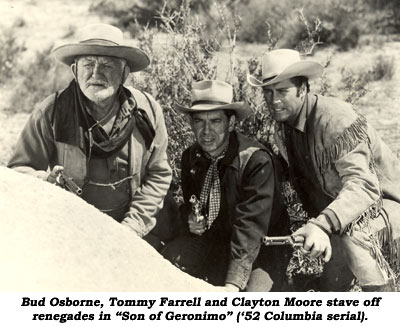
(233, 179)
(109, 138)
(347, 178)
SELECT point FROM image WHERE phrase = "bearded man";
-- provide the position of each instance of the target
(109, 138)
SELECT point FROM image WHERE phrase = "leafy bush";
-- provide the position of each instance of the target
(144, 12)
(384, 68)
(181, 56)
(337, 21)
(10, 51)
(385, 16)
(353, 85)
(41, 77)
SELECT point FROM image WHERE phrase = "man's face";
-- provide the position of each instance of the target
(211, 129)
(283, 101)
(99, 77)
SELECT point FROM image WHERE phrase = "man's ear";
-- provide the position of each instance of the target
(125, 74)
(302, 91)
(232, 121)
(73, 69)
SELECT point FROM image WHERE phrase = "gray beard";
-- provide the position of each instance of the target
(101, 96)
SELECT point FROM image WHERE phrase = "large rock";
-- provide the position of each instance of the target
(51, 240)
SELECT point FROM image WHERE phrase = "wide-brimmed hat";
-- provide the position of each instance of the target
(282, 64)
(208, 95)
(103, 40)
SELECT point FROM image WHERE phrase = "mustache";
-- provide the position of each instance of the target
(96, 82)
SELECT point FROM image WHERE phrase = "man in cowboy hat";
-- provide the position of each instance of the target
(109, 138)
(346, 177)
(233, 178)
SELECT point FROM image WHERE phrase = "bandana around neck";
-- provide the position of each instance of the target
(211, 191)
(75, 126)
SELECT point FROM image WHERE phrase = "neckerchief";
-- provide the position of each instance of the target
(75, 126)
(211, 191)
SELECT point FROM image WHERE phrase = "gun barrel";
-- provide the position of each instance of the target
(69, 184)
(72, 186)
(283, 240)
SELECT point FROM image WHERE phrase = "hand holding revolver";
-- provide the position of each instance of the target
(58, 177)
(316, 241)
(197, 222)
(310, 239)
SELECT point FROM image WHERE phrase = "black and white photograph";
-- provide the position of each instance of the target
(200, 146)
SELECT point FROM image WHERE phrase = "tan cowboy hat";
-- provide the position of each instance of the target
(104, 40)
(210, 95)
(282, 64)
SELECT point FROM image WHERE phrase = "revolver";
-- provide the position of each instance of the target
(196, 208)
(68, 183)
(291, 240)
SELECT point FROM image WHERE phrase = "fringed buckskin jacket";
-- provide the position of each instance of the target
(354, 167)
(149, 174)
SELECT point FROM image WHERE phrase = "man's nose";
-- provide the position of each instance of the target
(207, 127)
(96, 70)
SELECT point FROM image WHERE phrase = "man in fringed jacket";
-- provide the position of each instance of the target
(110, 139)
(345, 175)
(234, 180)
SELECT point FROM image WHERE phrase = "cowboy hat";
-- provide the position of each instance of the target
(282, 64)
(208, 95)
(104, 40)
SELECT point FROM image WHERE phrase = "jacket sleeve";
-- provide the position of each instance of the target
(148, 198)
(360, 193)
(188, 189)
(253, 213)
(35, 145)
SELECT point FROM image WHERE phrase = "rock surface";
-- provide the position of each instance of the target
(51, 240)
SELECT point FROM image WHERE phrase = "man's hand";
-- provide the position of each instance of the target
(196, 227)
(316, 241)
(57, 169)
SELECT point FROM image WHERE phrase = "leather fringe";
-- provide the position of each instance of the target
(390, 247)
(356, 133)
(382, 246)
